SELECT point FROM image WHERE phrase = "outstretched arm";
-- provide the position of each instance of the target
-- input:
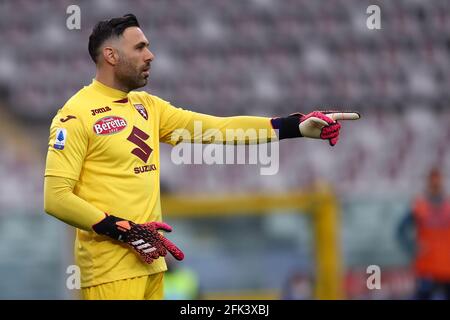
(178, 125)
(202, 128)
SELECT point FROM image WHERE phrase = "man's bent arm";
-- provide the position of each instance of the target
(63, 204)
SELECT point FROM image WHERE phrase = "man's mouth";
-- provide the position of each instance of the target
(146, 71)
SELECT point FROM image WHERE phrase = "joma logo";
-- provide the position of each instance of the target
(100, 110)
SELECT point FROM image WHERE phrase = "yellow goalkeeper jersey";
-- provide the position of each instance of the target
(108, 141)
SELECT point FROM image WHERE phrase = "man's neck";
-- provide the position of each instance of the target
(110, 82)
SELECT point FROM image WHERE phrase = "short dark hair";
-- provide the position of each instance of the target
(106, 29)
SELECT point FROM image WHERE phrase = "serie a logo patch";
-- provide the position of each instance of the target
(60, 138)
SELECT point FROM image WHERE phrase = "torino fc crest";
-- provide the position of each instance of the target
(141, 109)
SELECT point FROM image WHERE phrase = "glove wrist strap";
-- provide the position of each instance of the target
(287, 126)
(113, 227)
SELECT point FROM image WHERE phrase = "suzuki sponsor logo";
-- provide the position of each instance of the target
(109, 125)
(146, 168)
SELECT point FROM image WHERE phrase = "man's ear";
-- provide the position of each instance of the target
(110, 55)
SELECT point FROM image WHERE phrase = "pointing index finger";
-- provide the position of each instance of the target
(343, 115)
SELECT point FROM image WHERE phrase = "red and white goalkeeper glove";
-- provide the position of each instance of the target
(317, 125)
(143, 238)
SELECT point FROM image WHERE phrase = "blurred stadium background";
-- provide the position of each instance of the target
(254, 57)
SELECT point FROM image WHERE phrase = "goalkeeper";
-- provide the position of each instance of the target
(102, 168)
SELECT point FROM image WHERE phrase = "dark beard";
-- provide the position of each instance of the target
(128, 78)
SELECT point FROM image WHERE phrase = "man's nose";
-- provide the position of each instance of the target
(149, 56)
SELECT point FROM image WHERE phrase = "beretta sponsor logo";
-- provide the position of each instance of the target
(109, 125)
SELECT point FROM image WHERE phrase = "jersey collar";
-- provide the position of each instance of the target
(108, 91)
